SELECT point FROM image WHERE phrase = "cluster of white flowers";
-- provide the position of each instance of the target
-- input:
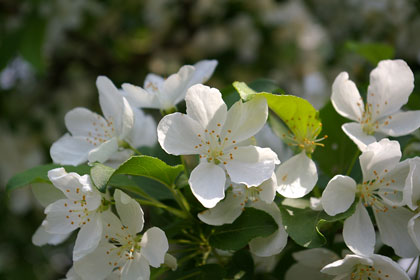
(234, 173)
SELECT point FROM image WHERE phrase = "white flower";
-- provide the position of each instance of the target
(221, 138)
(412, 188)
(164, 94)
(391, 83)
(382, 189)
(365, 268)
(80, 209)
(238, 197)
(94, 138)
(121, 248)
(309, 264)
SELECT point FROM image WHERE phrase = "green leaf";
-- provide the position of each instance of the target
(150, 167)
(245, 92)
(32, 42)
(39, 174)
(204, 272)
(241, 266)
(252, 223)
(303, 224)
(100, 175)
(373, 52)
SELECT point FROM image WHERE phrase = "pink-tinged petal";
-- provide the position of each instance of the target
(175, 87)
(178, 134)
(130, 212)
(88, 237)
(82, 122)
(207, 183)
(71, 150)
(115, 107)
(144, 130)
(104, 151)
(268, 189)
(391, 83)
(138, 97)
(413, 230)
(251, 165)
(355, 132)
(339, 195)
(297, 176)
(136, 269)
(378, 158)
(206, 106)
(346, 98)
(393, 230)
(203, 71)
(346, 265)
(226, 211)
(154, 246)
(274, 243)
(41, 237)
(244, 120)
(358, 232)
(401, 123)
(412, 185)
(389, 268)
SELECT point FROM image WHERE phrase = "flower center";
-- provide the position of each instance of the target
(369, 123)
(248, 195)
(367, 272)
(214, 147)
(305, 139)
(103, 130)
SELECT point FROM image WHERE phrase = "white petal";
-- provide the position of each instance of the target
(378, 157)
(401, 123)
(355, 132)
(57, 221)
(171, 262)
(339, 195)
(391, 83)
(358, 232)
(412, 184)
(88, 238)
(206, 106)
(225, 212)
(274, 243)
(115, 107)
(299, 271)
(268, 189)
(70, 150)
(346, 98)
(251, 165)
(175, 87)
(207, 183)
(144, 130)
(393, 230)
(96, 265)
(315, 204)
(203, 71)
(413, 230)
(104, 151)
(138, 97)
(394, 183)
(178, 134)
(137, 269)
(297, 176)
(388, 267)
(81, 121)
(41, 237)
(71, 275)
(46, 193)
(153, 84)
(346, 265)
(316, 257)
(130, 212)
(245, 119)
(154, 246)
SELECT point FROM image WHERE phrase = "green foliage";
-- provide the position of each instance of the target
(32, 41)
(204, 272)
(39, 174)
(303, 224)
(373, 52)
(252, 223)
(241, 265)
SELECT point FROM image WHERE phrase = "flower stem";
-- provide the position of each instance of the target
(411, 264)
(417, 270)
(353, 161)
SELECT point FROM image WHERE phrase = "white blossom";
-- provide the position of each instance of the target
(391, 83)
(221, 138)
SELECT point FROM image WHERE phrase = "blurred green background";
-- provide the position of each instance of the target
(51, 52)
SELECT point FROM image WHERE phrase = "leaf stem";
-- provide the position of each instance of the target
(353, 161)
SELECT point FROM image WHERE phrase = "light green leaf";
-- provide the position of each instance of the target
(150, 167)
(39, 175)
(303, 225)
(252, 223)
